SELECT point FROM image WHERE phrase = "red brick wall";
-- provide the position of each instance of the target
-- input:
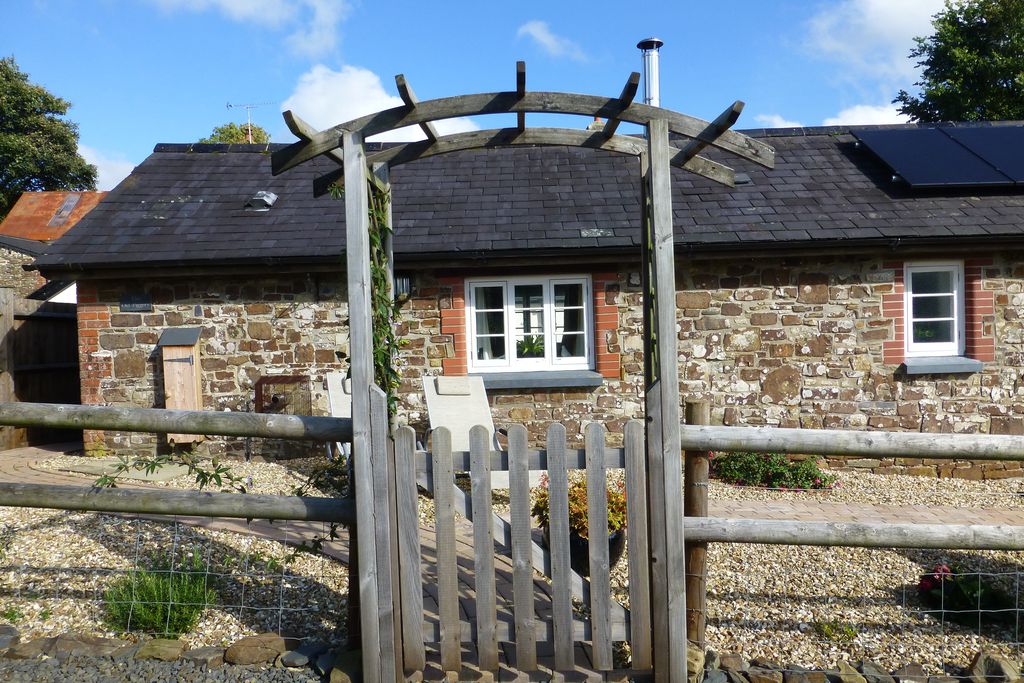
(453, 324)
(96, 366)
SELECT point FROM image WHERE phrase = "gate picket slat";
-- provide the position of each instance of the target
(386, 605)
(522, 549)
(409, 553)
(597, 531)
(447, 569)
(558, 533)
(637, 546)
(483, 549)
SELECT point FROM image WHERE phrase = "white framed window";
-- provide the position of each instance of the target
(934, 306)
(529, 323)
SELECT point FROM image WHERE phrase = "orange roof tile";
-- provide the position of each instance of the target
(39, 215)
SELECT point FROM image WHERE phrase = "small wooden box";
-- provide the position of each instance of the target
(179, 347)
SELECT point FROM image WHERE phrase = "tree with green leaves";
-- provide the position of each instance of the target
(238, 134)
(38, 146)
(972, 65)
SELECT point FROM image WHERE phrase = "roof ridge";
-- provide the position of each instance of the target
(807, 131)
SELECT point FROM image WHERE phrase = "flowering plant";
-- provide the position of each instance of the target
(965, 597)
(616, 489)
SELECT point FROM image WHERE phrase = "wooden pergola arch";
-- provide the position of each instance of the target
(344, 144)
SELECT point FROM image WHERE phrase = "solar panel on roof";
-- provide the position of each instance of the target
(927, 157)
(1000, 146)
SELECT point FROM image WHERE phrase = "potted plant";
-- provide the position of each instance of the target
(579, 542)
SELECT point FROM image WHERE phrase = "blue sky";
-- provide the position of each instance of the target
(140, 72)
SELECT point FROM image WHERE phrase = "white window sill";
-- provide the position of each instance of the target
(541, 379)
(940, 365)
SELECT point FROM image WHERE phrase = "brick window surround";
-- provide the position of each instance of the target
(606, 323)
(979, 313)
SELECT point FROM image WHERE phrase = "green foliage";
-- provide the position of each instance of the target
(38, 147)
(238, 134)
(578, 504)
(217, 474)
(163, 600)
(12, 614)
(770, 470)
(836, 631)
(973, 64)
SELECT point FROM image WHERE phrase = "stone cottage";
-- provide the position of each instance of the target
(836, 290)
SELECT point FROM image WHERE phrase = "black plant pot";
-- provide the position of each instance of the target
(579, 549)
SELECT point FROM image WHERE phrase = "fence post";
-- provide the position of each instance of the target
(695, 504)
(7, 434)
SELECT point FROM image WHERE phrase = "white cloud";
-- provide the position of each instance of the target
(865, 114)
(872, 37)
(554, 45)
(776, 121)
(324, 97)
(314, 23)
(112, 169)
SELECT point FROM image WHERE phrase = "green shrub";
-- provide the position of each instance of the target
(836, 631)
(161, 601)
(770, 470)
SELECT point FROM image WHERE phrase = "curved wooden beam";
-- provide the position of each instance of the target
(530, 102)
(512, 137)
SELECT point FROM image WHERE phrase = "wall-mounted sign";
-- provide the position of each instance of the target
(136, 303)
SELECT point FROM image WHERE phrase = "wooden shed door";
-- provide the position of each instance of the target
(181, 384)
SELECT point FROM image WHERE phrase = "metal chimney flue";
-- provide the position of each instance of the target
(652, 90)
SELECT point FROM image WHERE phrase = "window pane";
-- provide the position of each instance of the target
(571, 346)
(490, 348)
(933, 282)
(490, 323)
(569, 321)
(489, 298)
(530, 321)
(933, 307)
(568, 295)
(933, 332)
(529, 296)
(530, 346)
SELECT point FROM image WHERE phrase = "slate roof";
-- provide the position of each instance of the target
(184, 206)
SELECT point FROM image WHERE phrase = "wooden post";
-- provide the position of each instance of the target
(357, 260)
(695, 504)
(663, 417)
(7, 434)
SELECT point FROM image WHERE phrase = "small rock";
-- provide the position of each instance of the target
(348, 667)
(260, 649)
(847, 674)
(324, 663)
(943, 679)
(715, 676)
(758, 674)
(734, 676)
(208, 657)
(765, 664)
(9, 636)
(695, 663)
(731, 660)
(162, 649)
(988, 667)
(803, 676)
(874, 673)
(711, 659)
(911, 673)
(300, 654)
(126, 651)
(31, 649)
(77, 644)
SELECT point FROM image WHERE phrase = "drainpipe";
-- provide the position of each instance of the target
(652, 92)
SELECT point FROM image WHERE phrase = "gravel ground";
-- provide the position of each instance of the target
(106, 670)
(770, 602)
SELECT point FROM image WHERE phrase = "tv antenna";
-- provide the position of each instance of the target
(248, 115)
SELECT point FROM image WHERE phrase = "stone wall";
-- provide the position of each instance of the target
(12, 275)
(790, 342)
(250, 328)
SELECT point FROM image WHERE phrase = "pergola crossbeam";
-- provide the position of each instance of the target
(409, 97)
(626, 98)
(521, 91)
(304, 131)
(721, 124)
(511, 137)
(529, 102)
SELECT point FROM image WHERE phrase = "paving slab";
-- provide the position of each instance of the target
(100, 466)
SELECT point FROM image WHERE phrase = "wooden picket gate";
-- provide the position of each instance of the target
(467, 597)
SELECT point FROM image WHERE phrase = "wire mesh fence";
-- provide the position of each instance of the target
(108, 574)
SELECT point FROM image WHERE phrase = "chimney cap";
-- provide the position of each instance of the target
(650, 43)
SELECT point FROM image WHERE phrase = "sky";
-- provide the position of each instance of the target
(142, 72)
